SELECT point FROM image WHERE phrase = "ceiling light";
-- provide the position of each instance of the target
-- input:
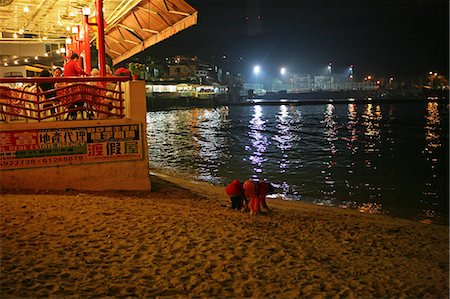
(25, 60)
(16, 62)
(15, 35)
(86, 11)
(26, 9)
(5, 64)
(36, 58)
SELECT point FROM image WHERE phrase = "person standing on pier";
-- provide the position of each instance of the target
(72, 69)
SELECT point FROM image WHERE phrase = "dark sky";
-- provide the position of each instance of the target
(381, 37)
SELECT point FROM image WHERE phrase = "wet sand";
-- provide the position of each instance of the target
(181, 240)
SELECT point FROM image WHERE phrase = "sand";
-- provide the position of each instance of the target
(181, 241)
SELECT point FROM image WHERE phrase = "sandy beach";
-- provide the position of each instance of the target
(181, 240)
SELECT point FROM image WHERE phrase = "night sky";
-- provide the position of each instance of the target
(380, 37)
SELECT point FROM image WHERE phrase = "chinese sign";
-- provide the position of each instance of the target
(51, 147)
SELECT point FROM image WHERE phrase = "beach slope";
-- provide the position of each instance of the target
(181, 240)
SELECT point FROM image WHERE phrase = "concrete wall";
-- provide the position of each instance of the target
(109, 173)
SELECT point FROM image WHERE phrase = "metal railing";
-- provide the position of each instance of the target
(62, 98)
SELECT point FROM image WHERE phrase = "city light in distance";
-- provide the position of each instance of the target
(283, 71)
(256, 69)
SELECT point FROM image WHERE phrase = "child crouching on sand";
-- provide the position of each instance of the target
(255, 192)
(236, 193)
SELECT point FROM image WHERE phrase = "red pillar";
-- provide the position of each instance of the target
(78, 51)
(87, 47)
(101, 38)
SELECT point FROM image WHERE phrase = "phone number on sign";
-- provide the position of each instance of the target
(41, 161)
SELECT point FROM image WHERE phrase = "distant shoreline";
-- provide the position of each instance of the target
(307, 98)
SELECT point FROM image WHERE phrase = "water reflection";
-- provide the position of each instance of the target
(330, 132)
(173, 137)
(352, 123)
(372, 117)
(208, 125)
(433, 122)
(259, 142)
(430, 196)
(360, 156)
(284, 137)
(189, 140)
(352, 146)
(371, 120)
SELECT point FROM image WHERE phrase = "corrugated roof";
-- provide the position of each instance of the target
(146, 24)
(131, 25)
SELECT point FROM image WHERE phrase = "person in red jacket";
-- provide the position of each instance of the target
(236, 194)
(256, 192)
(72, 69)
(251, 193)
(264, 188)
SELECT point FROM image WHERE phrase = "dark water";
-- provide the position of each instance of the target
(377, 158)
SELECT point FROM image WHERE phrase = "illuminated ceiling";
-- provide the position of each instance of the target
(131, 25)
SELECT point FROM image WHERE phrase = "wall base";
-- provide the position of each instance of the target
(129, 175)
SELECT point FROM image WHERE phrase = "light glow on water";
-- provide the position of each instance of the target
(375, 158)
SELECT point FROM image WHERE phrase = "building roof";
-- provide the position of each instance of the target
(131, 25)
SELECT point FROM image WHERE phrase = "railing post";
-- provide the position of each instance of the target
(38, 104)
(120, 100)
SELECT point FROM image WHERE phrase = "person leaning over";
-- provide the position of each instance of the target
(256, 192)
(236, 194)
(264, 188)
(251, 193)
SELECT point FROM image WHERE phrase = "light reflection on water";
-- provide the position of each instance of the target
(258, 141)
(430, 196)
(370, 157)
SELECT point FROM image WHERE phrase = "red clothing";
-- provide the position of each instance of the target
(263, 189)
(234, 189)
(252, 193)
(71, 69)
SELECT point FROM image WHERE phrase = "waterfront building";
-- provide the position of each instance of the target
(191, 66)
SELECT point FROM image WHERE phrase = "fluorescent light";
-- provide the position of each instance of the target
(86, 11)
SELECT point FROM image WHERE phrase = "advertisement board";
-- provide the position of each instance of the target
(62, 146)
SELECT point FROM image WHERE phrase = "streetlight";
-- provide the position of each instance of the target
(256, 69)
(329, 74)
(283, 71)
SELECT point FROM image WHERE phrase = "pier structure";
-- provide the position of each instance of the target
(82, 133)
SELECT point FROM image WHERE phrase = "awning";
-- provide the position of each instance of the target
(131, 25)
(146, 24)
